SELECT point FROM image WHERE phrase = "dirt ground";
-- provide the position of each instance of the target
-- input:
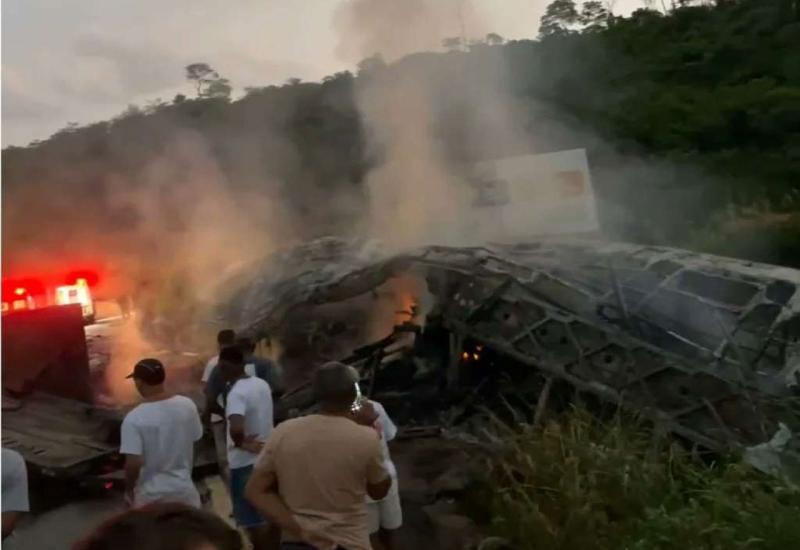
(417, 461)
(60, 528)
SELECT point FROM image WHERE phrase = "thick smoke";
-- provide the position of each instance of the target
(176, 228)
(421, 123)
(427, 122)
(187, 205)
(193, 232)
(394, 29)
(413, 197)
(168, 234)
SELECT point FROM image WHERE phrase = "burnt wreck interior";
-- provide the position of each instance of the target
(704, 347)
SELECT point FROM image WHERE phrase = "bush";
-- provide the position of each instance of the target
(766, 236)
(580, 484)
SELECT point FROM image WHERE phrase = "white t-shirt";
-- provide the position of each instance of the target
(388, 431)
(250, 397)
(15, 482)
(163, 434)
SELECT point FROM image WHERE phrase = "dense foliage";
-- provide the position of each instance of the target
(578, 483)
(691, 120)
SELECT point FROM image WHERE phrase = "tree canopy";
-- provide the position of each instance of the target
(691, 119)
(207, 81)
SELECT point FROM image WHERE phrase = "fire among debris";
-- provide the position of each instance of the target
(706, 347)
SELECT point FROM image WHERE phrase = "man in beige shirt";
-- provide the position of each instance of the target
(315, 471)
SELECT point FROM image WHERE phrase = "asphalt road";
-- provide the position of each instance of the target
(60, 528)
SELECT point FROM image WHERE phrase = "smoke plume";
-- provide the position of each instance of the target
(426, 121)
(174, 225)
(394, 29)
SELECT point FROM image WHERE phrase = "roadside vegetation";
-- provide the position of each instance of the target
(578, 483)
(689, 110)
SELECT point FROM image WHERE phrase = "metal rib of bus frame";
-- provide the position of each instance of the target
(707, 346)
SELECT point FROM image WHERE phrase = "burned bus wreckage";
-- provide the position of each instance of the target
(707, 348)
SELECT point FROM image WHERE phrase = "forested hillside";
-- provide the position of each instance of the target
(691, 120)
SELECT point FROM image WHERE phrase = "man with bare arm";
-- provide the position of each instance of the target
(248, 413)
(385, 515)
(315, 471)
(157, 439)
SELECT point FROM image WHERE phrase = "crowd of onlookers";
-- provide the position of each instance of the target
(321, 481)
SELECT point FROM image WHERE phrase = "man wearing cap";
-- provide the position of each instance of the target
(157, 439)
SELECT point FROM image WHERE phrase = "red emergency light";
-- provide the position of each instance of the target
(21, 289)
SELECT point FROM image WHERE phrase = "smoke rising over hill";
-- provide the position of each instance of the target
(180, 194)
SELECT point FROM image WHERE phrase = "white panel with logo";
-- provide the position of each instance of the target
(532, 195)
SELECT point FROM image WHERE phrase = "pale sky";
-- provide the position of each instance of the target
(86, 60)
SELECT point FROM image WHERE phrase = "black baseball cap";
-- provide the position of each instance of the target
(149, 371)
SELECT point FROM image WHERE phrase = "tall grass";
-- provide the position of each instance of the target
(758, 233)
(578, 484)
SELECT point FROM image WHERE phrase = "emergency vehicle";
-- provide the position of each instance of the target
(30, 293)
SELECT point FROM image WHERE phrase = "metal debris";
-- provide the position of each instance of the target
(706, 347)
(772, 458)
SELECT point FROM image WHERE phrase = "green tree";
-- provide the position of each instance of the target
(252, 90)
(560, 18)
(154, 105)
(218, 88)
(594, 16)
(494, 39)
(201, 74)
(709, 95)
(341, 75)
(208, 82)
(371, 64)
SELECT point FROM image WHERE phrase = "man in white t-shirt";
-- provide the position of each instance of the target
(15, 490)
(248, 411)
(386, 514)
(157, 439)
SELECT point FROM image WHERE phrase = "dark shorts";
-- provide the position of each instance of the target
(244, 512)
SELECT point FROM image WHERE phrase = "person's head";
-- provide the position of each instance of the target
(163, 526)
(226, 338)
(148, 375)
(334, 387)
(247, 345)
(231, 363)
